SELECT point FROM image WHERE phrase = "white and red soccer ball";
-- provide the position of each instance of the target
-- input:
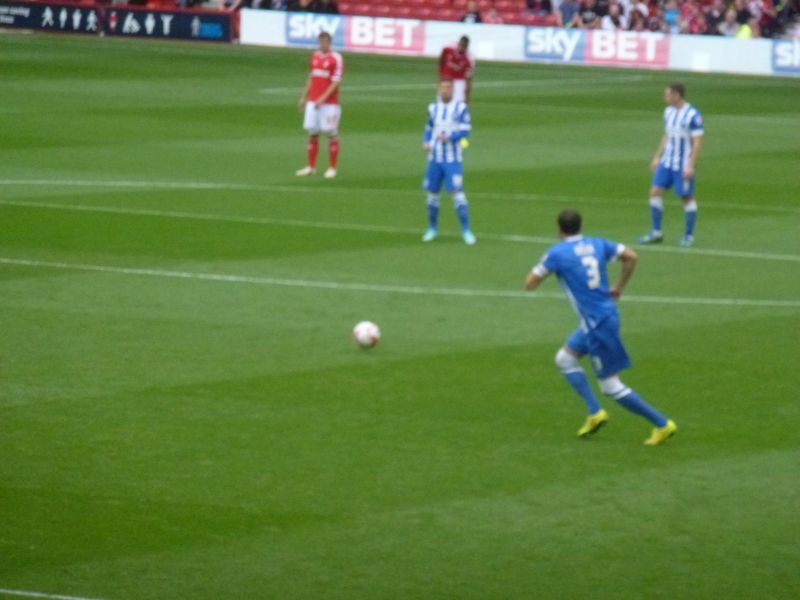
(366, 334)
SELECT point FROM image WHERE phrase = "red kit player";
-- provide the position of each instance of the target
(457, 64)
(320, 101)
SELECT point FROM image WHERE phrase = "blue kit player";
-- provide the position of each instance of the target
(580, 265)
(674, 163)
(447, 126)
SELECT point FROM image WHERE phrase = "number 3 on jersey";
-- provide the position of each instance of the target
(592, 272)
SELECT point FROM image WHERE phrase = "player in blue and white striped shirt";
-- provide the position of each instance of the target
(447, 126)
(674, 163)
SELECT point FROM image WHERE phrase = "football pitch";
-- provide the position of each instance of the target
(184, 415)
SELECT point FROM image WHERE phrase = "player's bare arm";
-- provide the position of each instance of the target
(697, 145)
(301, 103)
(657, 155)
(532, 281)
(628, 259)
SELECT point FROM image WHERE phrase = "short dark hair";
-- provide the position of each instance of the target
(678, 88)
(569, 221)
(464, 40)
(324, 34)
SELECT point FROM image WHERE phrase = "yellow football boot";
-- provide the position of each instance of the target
(593, 423)
(660, 434)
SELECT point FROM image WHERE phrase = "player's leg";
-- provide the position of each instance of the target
(460, 90)
(662, 180)
(312, 125)
(568, 362)
(434, 176)
(685, 189)
(454, 184)
(663, 428)
(609, 357)
(331, 115)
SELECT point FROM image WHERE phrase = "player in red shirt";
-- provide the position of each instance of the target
(320, 103)
(457, 64)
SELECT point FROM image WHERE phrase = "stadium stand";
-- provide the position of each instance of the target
(510, 11)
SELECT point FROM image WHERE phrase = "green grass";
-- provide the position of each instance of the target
(203, 437)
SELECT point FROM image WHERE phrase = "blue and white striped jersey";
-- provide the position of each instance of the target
(451, 119)
(681, 125)
(580, 265)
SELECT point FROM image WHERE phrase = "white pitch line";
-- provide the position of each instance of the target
(377, 288)
(513, 238)
(27, 594)
(295, 189)
(484, 84)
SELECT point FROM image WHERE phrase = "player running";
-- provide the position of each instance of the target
(320, 101)
(448, 124)
(674, 163)
(580, 265)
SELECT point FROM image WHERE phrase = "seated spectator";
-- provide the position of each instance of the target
(614, 20)
(715, 15)
(587, 17)
(788, 15)
(764, 11)
(749, 30)
(539, 7)
(601, 8)
(492, 17)
(743, 14)
(329, 7)
(729, 26)
(472, 15)
(300, 5)
(638, 21)
(670, 16)
(566, 13)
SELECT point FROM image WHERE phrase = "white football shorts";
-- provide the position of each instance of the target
(324, 119)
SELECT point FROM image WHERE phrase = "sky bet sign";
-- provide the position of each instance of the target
(619, 48)
(364, 34)
(786, 57)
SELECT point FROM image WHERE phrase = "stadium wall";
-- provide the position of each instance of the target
(517, 43)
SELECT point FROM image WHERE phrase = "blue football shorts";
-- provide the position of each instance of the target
(665, 178)
(604, 346)
(451, 174)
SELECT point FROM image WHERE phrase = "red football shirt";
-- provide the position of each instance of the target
(455, 65)
(325, 69)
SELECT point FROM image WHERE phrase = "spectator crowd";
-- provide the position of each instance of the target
(730, 18)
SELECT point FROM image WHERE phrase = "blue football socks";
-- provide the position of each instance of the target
(580, 383)
(635, 404)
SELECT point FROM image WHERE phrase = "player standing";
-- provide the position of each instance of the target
(457, 64)
(580, 265)
(447, 126)
(320, 101)
(674, 163)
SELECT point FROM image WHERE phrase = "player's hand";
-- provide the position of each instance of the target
(443, 137)
(654, 165)
(615, 293)
(426, 147)
(301, 103)
(688, 172)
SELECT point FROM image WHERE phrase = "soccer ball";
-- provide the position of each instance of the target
(366, 334)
